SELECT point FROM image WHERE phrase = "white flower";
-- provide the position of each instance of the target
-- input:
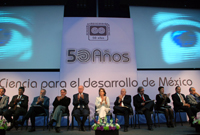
(94, 125)
(117, 124)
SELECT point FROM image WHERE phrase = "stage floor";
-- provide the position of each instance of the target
(162, 130)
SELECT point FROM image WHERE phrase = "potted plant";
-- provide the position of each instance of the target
(106, 128)
(3, 127)
(197, 124)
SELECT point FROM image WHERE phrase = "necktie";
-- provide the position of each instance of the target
(81, 106)
(0, 98)
(142, 98)
(182, 99)
(121, 103)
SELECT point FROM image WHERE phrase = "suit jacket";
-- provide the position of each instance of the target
(160, 100)
(81, 101)
(24, 102)
(126, 102)
(4, 103)
(44, 105)
(177, 101)
(192, 100)
(64, 102)
(137, 100)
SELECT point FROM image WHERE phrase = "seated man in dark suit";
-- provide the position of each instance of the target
(39, 105)
(193, 99)
(180, 102)
(19, 105)
(123, 105)
(80, 102)
(3, 101)
(60, 104)
(144, 105)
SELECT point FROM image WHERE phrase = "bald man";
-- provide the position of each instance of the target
(193, 99)
(80, 102)
(123, 105)
(39, 105)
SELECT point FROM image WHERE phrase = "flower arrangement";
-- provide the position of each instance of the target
(3, 124)
(103, 124)
(196, 120)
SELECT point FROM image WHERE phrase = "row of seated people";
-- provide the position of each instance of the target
(143, 104)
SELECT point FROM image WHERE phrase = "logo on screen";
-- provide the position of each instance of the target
(98, 31)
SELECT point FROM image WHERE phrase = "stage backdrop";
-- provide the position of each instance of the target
(98, 52)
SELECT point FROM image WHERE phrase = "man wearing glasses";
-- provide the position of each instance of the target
(193, 99)
(144, 105)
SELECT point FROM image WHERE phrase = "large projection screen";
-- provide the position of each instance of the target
(30, 37)
(166, 38)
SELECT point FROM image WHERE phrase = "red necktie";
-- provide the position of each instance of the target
(142, 98)
(121, 103)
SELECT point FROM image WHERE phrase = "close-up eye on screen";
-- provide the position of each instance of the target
(15, 37)
(30, 37)
(180, 41)
(172, 37)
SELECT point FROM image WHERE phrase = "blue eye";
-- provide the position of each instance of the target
(4, 36)
(15, 37)
(184, 38)
(179, 37)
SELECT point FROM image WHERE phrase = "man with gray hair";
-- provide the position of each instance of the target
(60, 104)
(123, 105)
(193, 99)
(39, 105)
(143, 105)
(3, 100)
(80, 102)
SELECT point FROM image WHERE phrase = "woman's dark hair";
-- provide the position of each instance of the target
(63, 90)
(159, 88)
(103, 91)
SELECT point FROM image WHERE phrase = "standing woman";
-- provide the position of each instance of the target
(161, 104)
(102, 104)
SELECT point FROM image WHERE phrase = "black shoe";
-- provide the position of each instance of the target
(9, 128)
(171, 124)
(125, 129)
(168, 125)
(50, 124)
(80, 128)
(150, 127)
(20, 123)
(16, 126)
(57, 129)
(83, 128)
(32, 129)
